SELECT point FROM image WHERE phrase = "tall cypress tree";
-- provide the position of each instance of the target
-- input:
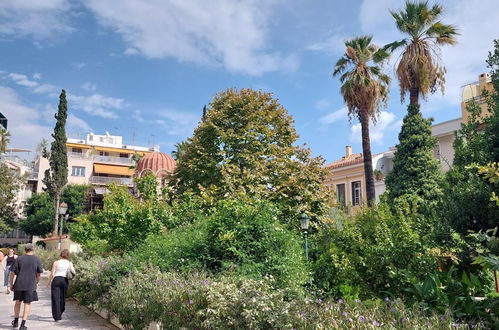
(416, 173)
(56, 176)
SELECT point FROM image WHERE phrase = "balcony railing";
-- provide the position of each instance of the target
(112, 159)
(104, 180)
(103, 159)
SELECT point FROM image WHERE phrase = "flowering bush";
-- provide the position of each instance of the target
(97, 275)
(197, 301)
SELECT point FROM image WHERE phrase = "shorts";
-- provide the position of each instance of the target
(25, 296)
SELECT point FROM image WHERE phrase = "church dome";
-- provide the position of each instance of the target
(157, 163)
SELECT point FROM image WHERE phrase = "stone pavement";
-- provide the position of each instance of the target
(75, 316)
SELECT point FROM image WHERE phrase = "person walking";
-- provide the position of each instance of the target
(26, 269)
(7, 263)
(58, 282)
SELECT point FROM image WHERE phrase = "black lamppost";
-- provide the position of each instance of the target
(304, 222)
(63, 207)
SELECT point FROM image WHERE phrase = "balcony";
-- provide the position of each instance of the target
(102, 159)
(105, 180)
(113, 159)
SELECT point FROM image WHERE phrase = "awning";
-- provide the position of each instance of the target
(113, 169)
(77, 145)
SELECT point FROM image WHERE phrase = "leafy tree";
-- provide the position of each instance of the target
(416, 173)
(179, 149)
(4, 139)
(245, 145)
(9, 185)
(419, 70)
(75, 195)
(39, 214)
(122, 222)
(492, 127)
(56, 176)
(40, 209)
(467, 203)
(365, 89)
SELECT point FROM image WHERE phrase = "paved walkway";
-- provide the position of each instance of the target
(75, 317)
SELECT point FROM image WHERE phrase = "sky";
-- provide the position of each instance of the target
(145, 69)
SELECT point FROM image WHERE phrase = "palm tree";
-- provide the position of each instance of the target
(365, 90)
(419, 68)
(4, 139)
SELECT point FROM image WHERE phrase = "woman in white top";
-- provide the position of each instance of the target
(58, 282)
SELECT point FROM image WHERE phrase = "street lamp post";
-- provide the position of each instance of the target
(304, 222)
(63, 207)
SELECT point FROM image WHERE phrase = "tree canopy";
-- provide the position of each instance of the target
(9, 185)
(245, 145)
(419, 70)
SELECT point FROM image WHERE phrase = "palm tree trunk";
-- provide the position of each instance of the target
(368, 161)
(414, 96)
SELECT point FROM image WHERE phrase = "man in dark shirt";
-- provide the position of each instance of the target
(27, 268)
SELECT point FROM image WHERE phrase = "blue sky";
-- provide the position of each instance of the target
(144, 69)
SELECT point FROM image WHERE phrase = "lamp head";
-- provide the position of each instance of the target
(304, 221)
(63, 207)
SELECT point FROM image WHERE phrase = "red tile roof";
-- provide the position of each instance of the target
(347, 161)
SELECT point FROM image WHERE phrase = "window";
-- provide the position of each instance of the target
(77, 171)
(340, 191)
(77, 150)
(356, 193)
(123, 155)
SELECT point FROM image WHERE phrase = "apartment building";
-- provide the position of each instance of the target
(97, 160)
(473, 92)
(21, 168)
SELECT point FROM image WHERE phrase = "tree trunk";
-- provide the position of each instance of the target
(55, 226)
(414, 96)
(368, 161)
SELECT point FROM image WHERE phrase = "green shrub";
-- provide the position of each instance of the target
(47, 257)
(96, 276)
(238, 237)
(371, 254)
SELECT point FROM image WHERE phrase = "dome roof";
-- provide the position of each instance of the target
(157, 163)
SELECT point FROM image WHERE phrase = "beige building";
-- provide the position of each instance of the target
(474, 93)
(97, 160)
(346, 177)
(445, 133)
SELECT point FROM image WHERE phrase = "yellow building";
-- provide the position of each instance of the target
(473, 93)
(97, 160)
(346, 177)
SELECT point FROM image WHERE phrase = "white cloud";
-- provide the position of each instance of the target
(131, 51)
(40, 19)
(89, 86)
(232, 34)
(477, 22)
(334, 44)
(172, 121)
(386, 122)
(79, 65)
(341, 114)
(322, 104)
(24, 121)
(97, 104)
(47, 89)
(22, 80)
(94, 104)
(77, 124)
(37, 75)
